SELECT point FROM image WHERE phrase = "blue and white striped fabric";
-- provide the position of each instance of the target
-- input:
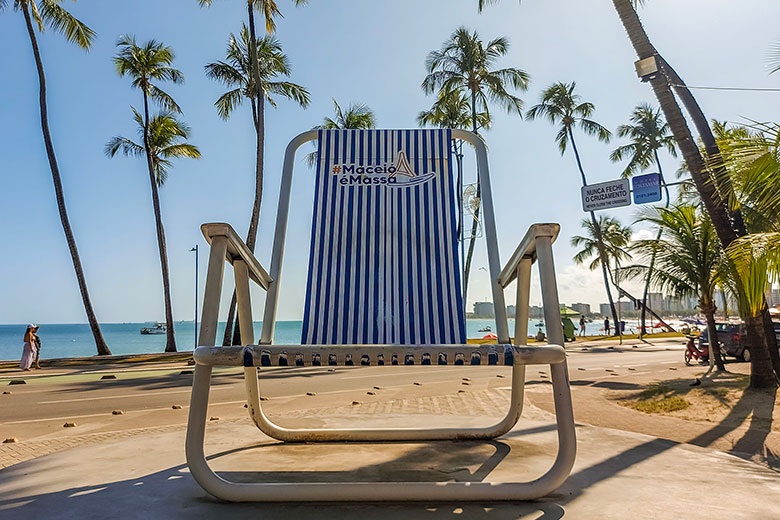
(384, 266)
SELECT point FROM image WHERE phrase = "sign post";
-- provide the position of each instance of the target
(604, 195)
(647, 188)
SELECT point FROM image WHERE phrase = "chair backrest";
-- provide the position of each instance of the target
(383, 265)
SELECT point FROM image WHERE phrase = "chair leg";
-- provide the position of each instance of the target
(196, 428)
(376, 491)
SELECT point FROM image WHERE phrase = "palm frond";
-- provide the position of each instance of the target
(288, 90)
(225, 73)
(774, 58)
(228, 102)
(181, 150)
(591, 127)
(165, 100)
(63, 22)
(311, 159)
(125, 145)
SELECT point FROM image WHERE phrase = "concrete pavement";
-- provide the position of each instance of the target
(141, 473)
(617, 475)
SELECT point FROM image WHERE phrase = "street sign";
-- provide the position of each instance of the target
(647, 188)
(604, 195)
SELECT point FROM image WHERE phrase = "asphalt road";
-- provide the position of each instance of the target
(146, 396)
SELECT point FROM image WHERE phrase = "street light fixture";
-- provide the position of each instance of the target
(196, 293)
(647, 69)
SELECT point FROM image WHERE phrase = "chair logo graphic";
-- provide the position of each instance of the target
(396, 175)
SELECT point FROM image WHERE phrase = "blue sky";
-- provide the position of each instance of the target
(352, 50)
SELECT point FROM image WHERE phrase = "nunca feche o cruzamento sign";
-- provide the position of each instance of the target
(604, 195)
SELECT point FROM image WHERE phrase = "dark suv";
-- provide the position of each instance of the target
(733, 339)
(776, 325)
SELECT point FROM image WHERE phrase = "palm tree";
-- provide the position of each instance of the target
(559, 104)
(236, 73)
(269, 10)
(465, 64)
(166, 140)
(688, 260)
(728, 224)
(605, 241)
(453, 110)
(648, 133)
(144, 64)
(49, 12)
(751, 156)
(357, 116)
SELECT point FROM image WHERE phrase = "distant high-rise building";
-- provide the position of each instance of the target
(582, 308)
(775, 296)
(604, 309)
(511, 310)
(484, 310)
(656, 302)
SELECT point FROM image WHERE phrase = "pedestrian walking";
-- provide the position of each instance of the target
(28, 348)
(606, 326)
(582, 325)
(37, 343)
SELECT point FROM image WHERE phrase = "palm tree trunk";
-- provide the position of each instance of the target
(475, 223)
(763, 373)
(457, 150)
(258, 118)
(599, 239)
(707, 307)
(577, 156)
(251, 236)
(100, 342)
(170, 340)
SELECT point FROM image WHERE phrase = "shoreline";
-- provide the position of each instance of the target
(186, 355)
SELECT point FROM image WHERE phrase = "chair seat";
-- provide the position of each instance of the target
(379, 355)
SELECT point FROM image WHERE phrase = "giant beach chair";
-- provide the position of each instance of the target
(383, 289)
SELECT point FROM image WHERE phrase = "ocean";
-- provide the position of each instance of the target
(75, 339)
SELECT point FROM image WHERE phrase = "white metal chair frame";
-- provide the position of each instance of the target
(227, 246)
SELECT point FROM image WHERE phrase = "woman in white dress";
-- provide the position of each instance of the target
(29, 348)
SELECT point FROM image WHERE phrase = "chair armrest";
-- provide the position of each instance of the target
(237, 250)
(526, 249)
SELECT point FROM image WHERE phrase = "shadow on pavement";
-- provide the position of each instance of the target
(172, 493)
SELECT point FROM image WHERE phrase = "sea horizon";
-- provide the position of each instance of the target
(65, 340)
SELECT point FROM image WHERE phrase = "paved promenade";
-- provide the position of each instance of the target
(142, 473)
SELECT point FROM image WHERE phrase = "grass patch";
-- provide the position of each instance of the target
(661, 405)
(657, 399)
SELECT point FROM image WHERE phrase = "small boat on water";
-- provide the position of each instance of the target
(485, 329)
(159, 328)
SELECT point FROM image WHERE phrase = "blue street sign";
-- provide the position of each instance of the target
(646, 188)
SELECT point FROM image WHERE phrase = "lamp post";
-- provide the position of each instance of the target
(196, 293)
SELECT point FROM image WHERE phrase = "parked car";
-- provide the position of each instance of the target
(732, 338)
(776, 325)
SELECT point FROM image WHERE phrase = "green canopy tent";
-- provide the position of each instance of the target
(567, 312)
